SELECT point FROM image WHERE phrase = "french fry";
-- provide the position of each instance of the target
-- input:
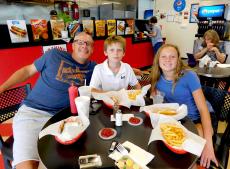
(133, 94)
(173, 134)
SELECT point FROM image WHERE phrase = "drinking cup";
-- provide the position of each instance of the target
(82, 104)
(201, 64)
(158, 98)
(85, 91)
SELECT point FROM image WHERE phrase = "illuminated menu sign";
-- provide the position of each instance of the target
(216, 11)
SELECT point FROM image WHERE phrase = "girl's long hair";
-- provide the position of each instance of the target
(156, 70)
(213, 35)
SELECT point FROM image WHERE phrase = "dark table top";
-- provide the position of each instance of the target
(57, 156)
(215, 72)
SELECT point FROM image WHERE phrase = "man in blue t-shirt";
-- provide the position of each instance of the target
(58, 69)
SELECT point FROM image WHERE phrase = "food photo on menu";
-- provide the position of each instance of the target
(74, 27)
(39, 29)
(88, 26)
(111, 27)
(18, 31)
(57, 26)
(100, 28)
(120, 27)
(129, 29)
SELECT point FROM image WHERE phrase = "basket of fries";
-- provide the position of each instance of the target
(123, 97)
(173, 110)
(174, 136)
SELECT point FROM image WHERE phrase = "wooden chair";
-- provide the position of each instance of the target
(10, 101)
(220, 101)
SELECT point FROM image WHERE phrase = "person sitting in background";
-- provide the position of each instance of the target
(181, 85)
(58, 69)
(155, 34)
(211, 47)
(113, 74)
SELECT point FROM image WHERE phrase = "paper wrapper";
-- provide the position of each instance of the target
(181, 111)
(70, 131)
(193, 143)
(122, 96)
(139, 155)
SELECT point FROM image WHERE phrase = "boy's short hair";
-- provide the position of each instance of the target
(115, 39)
(153, 19)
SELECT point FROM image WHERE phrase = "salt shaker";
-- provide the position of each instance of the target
(115, 108)
(118, 118)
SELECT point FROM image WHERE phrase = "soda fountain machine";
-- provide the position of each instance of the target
(211, 17)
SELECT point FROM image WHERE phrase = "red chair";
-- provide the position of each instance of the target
(10, 101)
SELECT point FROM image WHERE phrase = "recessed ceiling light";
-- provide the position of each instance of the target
(118, 3)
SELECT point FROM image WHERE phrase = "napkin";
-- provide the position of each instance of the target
(71, 131)
(106, 97)
(204, 61)
(125, 117)
(223, 65)
(139, 155)
(193, 143)
(181, 110)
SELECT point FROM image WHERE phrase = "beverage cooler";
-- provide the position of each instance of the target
(213, 17)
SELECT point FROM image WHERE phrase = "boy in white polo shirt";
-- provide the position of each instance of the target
(113, 74)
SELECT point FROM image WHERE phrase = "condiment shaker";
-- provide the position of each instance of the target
(118, 118)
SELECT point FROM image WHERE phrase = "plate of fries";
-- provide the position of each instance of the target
(173, 110)
(174, 136)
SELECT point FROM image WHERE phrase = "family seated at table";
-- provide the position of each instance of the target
(169, 75)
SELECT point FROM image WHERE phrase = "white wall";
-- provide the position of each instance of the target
(142, 6)
(181, 34)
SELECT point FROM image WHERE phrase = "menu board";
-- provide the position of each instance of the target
(129, 29)
(57, 26)
(111, 27)
(39, 29)
(18, 31)
(100, 28)
(88, 26)
(73, 28)
(120, 27)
